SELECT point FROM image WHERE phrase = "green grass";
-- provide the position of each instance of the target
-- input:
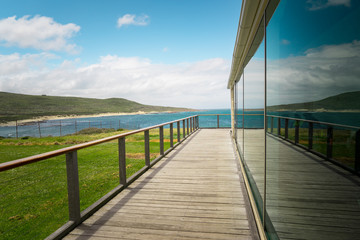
(19, 106)
(33, 198)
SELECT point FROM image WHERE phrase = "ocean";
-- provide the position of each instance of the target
(68, 126)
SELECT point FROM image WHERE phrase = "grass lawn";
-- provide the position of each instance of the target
(33, 198)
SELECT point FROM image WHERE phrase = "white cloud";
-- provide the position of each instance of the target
(321, 4)
(321, 72)
(38, 32)
(285, 42)
(198, 85)
(131, 19)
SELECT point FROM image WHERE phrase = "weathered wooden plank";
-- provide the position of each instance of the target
(192, 193)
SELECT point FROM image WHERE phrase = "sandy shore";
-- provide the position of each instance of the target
(45, 118)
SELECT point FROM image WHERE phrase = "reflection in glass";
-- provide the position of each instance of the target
(313, 59)
(254, 151)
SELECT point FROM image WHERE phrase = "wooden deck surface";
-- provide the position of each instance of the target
(307, 196)
(195, 192)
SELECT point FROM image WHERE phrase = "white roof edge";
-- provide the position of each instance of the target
(251, 15)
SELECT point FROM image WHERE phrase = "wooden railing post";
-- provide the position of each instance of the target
(171, 135)
(218, 121)
(161, 136)
(286, 128)
(178, 131)
(183, 128)
(122, 160)
(310, 135)
(357, 151)
(147, 147)
(329, 142)
(73, 186)
(297, 126)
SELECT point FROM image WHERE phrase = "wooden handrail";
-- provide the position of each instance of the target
(32, 159)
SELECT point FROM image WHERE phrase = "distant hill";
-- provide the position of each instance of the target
(349, 101)
(19, 106)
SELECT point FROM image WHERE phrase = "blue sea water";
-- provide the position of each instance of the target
(138, 121)
(69, 126)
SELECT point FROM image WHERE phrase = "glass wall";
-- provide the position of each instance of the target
(250, 107)
(313, 71)
(304, 169)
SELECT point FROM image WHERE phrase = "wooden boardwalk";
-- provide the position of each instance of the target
(307, 197)
(195, 192)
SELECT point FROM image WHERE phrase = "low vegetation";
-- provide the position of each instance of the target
(19, 106)
(34, 197)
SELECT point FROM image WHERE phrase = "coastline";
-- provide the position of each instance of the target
(60, 117)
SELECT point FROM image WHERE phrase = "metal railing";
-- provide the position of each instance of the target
(223, 120)
(214, 123)
(283, 123)
(189, 125)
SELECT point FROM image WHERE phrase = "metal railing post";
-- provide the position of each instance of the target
(297, 126)
(60, 129)
(183, 128)
(272, 124)
(279, 127)
(187, 126)
(171, 135)
(218, 121)
(357, 151)
(329, 142)
(286, 128)
(147, 147)
(178, 131)
(17, 130)
(122, 160)
(191, 124)
(73, 186)
(310, 135)
(161, 136)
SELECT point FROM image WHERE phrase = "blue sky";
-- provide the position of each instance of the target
(175, 53)
(313, 51)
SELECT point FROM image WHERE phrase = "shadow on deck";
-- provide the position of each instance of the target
(195, 192)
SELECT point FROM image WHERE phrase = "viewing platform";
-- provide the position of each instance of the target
(194, 188)
(194, 192)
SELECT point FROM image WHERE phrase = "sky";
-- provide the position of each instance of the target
(160, 52)
(313, 52)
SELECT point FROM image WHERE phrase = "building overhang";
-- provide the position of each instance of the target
(252, 12)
